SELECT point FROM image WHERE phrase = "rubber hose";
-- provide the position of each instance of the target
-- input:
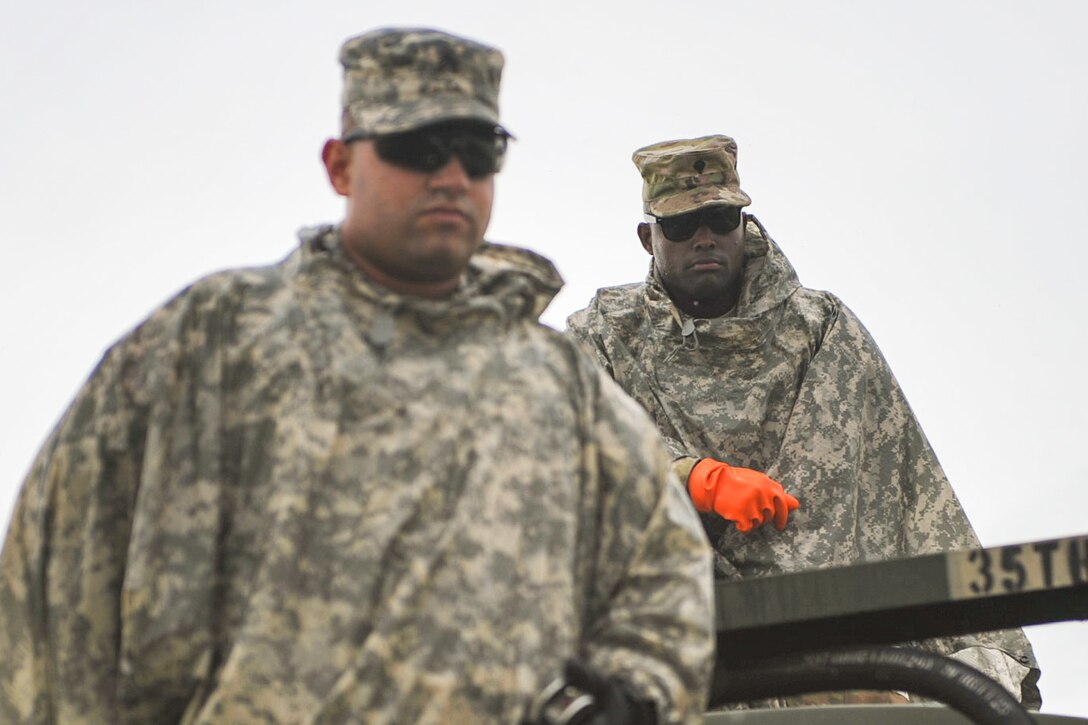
(959, 686)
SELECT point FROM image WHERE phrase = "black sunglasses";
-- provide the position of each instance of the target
(718, 219)
(480, 148)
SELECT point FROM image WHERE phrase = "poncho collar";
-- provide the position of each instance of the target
(503, 281)
(769, 279)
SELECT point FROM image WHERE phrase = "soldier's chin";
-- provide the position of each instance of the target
(707, 291)
(440, 266)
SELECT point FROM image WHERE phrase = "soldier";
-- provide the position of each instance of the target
(753, 379)
(364, 484)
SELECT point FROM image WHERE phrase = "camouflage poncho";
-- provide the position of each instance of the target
(291, 496)
(791, 384)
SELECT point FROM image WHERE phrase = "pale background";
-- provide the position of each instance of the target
(924, 160)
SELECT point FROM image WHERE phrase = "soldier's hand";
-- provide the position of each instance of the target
(584, 696)
(747, 498)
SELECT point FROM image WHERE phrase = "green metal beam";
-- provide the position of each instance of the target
(904, 599)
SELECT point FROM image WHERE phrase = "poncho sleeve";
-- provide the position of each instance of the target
(899, 502)
(652, 622)
(63, 612)
(63, 560)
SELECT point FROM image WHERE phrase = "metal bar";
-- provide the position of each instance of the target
(900, 600)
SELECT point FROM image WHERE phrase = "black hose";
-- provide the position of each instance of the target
(930, 675)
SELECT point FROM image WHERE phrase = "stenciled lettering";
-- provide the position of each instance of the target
(983, 558)
(1046, 550)
(1010, 564)
(1033, 566)
(1078, 560)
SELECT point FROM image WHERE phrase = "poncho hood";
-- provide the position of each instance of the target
(769, 281)
(502, 280)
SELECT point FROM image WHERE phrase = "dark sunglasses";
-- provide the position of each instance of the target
(479, 148)
(718, 219)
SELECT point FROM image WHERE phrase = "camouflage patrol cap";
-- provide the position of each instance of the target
(398, 79)
(686, 174)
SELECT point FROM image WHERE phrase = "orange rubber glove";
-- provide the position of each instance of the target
(747, 498)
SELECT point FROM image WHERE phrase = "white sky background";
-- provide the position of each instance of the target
(923, 160)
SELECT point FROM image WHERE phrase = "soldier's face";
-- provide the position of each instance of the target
(708, 267)
(412, 231)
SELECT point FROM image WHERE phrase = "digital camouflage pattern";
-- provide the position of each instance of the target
(793, 386)
(291, 496)
(399, 79)
(684, 175)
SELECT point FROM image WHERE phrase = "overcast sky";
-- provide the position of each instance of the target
(923, 160)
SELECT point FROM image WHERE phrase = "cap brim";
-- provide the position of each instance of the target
(692, 199)
(389, 118)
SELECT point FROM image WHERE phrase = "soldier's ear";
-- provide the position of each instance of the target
(337, 159)
(645, 235)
